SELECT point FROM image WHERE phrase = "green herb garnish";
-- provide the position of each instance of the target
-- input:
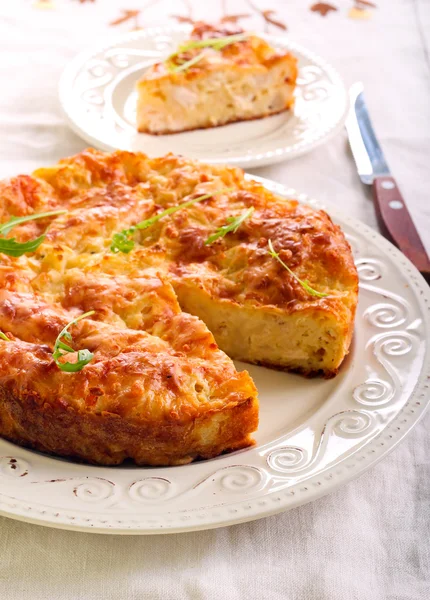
(61, 349)
(233, 224)
(13, 248)
(305, 284)
(218, 43)
(187, 64)
(3, 336)
(122, 242)
(215, 43)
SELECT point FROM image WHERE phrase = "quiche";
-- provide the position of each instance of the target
(218, 76)
(158, 271)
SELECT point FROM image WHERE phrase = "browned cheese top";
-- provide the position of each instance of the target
(252, 52)
(151, 360)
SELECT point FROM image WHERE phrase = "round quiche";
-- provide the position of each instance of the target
(128, 284)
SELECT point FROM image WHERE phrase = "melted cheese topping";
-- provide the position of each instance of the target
(150, 358)
(107, 193)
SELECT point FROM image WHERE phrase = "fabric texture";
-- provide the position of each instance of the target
(370, 539)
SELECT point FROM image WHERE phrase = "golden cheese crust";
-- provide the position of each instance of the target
(242, 81)
(159, 390)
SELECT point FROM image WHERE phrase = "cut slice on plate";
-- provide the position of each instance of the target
(219, 76)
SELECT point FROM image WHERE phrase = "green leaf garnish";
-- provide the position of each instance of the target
(215, 43)
(13, 248)
(305, 284)
(233, 224)
(3, 336)
(187, 64)
(61, 349)
(5, 228)
(122, 242)
(218, 43)
(169, 211)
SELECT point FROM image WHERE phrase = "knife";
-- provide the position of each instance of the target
(393, 216)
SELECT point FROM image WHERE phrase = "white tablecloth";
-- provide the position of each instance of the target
(367, 541)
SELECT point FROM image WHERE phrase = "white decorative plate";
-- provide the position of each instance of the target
(314, 435)
(97, 93)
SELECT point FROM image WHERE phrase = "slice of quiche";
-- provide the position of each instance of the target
(218, 76)
(148, 381)
(157, 390)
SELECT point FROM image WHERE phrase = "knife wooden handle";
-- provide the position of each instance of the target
(396, 223)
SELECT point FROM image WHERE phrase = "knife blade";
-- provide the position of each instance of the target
(391, 211)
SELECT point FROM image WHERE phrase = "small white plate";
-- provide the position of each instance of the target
(97, 93)
(314, 435)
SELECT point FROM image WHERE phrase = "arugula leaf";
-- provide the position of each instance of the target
(169, 211)
(5, 228)
(215, 43)
(13, 248)
(121, 241)
(305, 284)
(233, 224)
(3, 336)
(61, 349)
(187, 64)
(84, 357)
(10, 246)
